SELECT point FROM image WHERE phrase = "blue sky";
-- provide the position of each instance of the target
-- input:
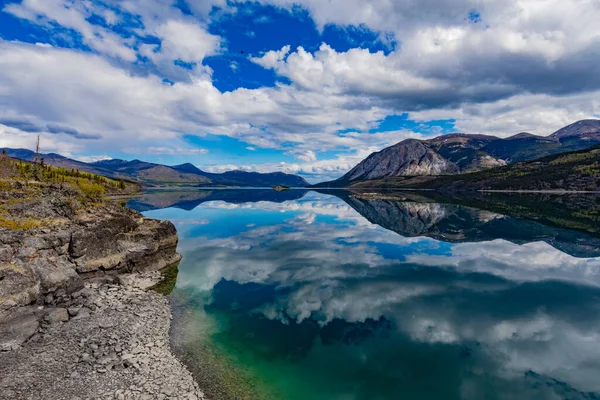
(302, 86)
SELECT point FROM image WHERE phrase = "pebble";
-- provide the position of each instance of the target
(104, 353)
(57, 315)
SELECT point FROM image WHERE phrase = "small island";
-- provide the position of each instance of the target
(280, 188)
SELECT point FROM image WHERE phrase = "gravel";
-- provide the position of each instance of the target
(110, 340)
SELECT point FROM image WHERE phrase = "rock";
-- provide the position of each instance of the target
(89, 341)
(83, 313)
(106, 324)
(17, 329)
(409, 157)
(73, 311)
(57, 315)
(49, 299)
(7, 304)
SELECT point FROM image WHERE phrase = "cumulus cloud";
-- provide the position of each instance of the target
(171, 150)
(91, 159)
(518, 66)
(74, 15)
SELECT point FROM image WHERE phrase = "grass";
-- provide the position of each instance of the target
(21, 224)
(91, 185)
(22, 182)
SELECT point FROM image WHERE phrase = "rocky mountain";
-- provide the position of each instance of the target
(460, 153)
(572, 171)
(409, 157)
(151, 174)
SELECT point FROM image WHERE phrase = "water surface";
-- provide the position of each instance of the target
(306, 295)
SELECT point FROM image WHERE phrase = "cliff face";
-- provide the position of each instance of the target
(410, 157)
(60, 240)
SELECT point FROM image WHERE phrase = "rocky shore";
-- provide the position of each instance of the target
(110, 341)
(77, 318)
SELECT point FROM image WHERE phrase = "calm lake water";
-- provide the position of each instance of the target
(306, 295)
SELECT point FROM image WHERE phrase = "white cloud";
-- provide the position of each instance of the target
(174, 151)
(303, 155)
(273, 58)
(91, 159)
(186, 41)
(526, 66)
(73, 15)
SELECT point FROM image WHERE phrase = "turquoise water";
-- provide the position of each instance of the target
(305, 295)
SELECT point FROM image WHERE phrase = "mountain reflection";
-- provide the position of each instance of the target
(455, 224)
(364, 296)
(186, 199)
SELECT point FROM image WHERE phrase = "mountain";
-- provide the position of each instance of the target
(240, 178)
(151, 174)
(60, 161)
(461, 153)
(587, 128)
(409, 157)
(188, 168)
(573, 171)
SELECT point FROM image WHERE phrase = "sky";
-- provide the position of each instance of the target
(301, 86)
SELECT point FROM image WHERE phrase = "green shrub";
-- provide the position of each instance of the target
(91, 190)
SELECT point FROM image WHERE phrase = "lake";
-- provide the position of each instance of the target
(336, 295)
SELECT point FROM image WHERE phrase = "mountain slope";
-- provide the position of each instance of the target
(152, 174)
(241, 178)
(60, 161)
(574, 171)
(409, 157)
(463, 153)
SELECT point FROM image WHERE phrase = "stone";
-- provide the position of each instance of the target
(57, 315)
(106, 324)
(93, 354)
(8, 304)
(17, 329)
(49, 299)
(83, 313)
(73, 311)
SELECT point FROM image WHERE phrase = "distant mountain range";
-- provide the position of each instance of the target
(572, 171)
(151, 174)
(460, 153)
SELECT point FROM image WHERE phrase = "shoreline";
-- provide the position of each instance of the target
(78, 318)
(400, 189)
(111, 341)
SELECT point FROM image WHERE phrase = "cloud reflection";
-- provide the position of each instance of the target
(511, 306)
